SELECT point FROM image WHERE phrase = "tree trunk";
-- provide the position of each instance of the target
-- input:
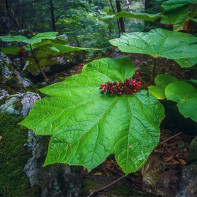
(52, 15)
(118, 25)
(121, 21)
(7, 6)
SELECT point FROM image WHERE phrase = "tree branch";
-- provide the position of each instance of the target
(105, 187)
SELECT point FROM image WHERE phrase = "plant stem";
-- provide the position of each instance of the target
(105, 187)
(38, 66)
(154, 70)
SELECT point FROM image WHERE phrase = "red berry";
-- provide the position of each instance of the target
(129, 86)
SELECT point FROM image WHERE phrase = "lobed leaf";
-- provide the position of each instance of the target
(161, 82)
(186, 97)
(160, 43)
(174, 4)
(43, 36)
(140, 16)
(34, 40)
(87, 126)
(18, 38)
(176, 17)
(11, 50)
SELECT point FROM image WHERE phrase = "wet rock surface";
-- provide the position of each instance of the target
(54, 180)
(19, 104)
(188, 181)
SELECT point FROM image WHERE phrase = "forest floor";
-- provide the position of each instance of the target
(161, 174)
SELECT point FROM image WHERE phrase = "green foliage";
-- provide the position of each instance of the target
(35, 39)
(174, 4)
(141, 16)
(43, 47)
(13, 157)
(11, 50)
(178, 46)
(87, 126)
(186, 97)
(175, 12)
(161, 82)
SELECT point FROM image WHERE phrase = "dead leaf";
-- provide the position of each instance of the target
(182, 161)
(0, 138)
(167, 157)
(97, 174)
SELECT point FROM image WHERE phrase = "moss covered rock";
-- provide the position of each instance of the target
(13, 157)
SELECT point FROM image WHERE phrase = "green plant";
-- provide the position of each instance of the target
(87, 125)
(42, 48)
(176, 13)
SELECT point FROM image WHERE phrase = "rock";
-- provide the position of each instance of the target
(9, 106)
(56, 180)
(193, 151)
(11, 79)
(25, 82)
(19, 104)
(53, 65)
(3, 93)
(188, 183)
(5, 71)
(27, 101)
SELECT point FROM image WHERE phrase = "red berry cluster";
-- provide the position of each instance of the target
(130, 86)
(22, 52)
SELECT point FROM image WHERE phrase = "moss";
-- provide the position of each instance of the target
(8, 89)
(31, 88)
(17, 104)
(13, 157)
(2, 101)
(13, 83)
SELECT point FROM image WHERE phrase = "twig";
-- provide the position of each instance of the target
(154, 68)
(170, 138)
(167, 25)
(105, 187)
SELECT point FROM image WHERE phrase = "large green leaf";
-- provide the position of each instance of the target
(174, 4)
(14, 39)
(186, 96)
(161, 82)
(186, 62)
(176, 17)
(50, 49)
(11, 50)
(160, 43)
(87, 126)
(43, 36)
(35, 39)
(67, 49)
(141, 16)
